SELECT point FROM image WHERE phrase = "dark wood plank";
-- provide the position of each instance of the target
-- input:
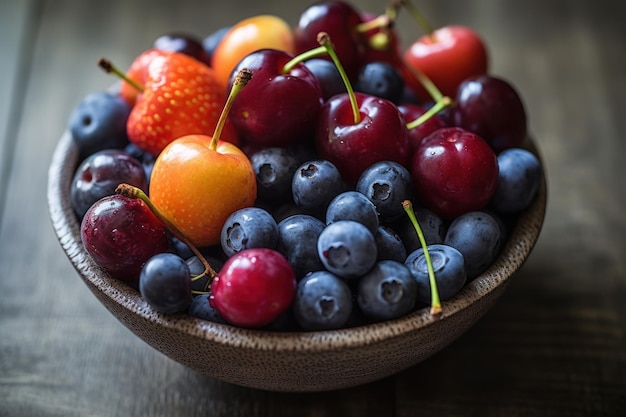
(16, 47)
(554, 345)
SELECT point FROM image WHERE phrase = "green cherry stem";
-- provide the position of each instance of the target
(418, 17)
(109, 68)
(425, 81)
(324, 39)
(435, 304)
(436, 108)
(311, 53)
(243, 77)
(130, 191)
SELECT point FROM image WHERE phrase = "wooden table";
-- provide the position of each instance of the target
(555, 345)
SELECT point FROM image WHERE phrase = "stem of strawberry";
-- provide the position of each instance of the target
(109, 68)
(435, 304)
(130, 191)
(243, 77)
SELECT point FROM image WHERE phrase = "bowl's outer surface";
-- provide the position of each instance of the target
(302, 361)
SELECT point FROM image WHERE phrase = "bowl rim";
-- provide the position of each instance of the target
(514, 253)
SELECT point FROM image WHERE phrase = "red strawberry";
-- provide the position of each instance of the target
(138, 72)
(181, 97)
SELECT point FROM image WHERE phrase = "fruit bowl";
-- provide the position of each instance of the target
(289, 361)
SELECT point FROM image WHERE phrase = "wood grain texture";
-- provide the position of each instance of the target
(555, 344)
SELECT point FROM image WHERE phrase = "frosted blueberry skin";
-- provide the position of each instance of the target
(448, 266)
(323, 301)
(433, 227)
(387, 291)
(380, 79)
(327, 75)
(202, 309)
(165, 283)
(297, 241)
(478, 236)
(352, 205)
(274, 168)
(387, 184)
(314, 184)
(347, 248)
(389, 244)
(98, 122)
(247, 228)
(519, 179)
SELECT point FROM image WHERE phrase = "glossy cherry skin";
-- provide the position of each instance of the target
(352, 147)
(454, 171)
(412, 112)
(448, 56)
(340, 21)
(253, 287)
(121, 234)
(275, 108)
(492, 108)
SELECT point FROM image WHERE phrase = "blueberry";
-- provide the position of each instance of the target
(323, 301)
(99, 122)
(347, 248)
(100, 173)
(519, 179)
(211, 42)
(382, 80)
(389, 244)
(165, 283)
(387, 184)
(387, 291)
(146, 158)
(315, 183)
(478, 236)
(448, 265)
(297, 241)
(199, 283)
(246, 228)
(327, 75)
(202, 309)
(432, 225)
(274, 168)
(352, 205)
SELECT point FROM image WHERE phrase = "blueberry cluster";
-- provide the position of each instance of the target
(356, 255)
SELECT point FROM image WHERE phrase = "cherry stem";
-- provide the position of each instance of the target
(425, 81)
(243, 77)
(382, 21)
(311, 53)
(324, 39)
(418, 17)
(435, 303)
(440, 105)
(130, 191)
(109, 68)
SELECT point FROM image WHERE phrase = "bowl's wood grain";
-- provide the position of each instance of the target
(303, 361)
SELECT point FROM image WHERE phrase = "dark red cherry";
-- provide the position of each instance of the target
(491, 107)
(121, 234)
(454, 172)
(380, 135)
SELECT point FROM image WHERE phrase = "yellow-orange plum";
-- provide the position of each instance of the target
(249, 35)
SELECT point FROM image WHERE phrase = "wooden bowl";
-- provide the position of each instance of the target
(298, 361)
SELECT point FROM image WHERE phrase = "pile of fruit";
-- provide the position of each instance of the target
(307, 177)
